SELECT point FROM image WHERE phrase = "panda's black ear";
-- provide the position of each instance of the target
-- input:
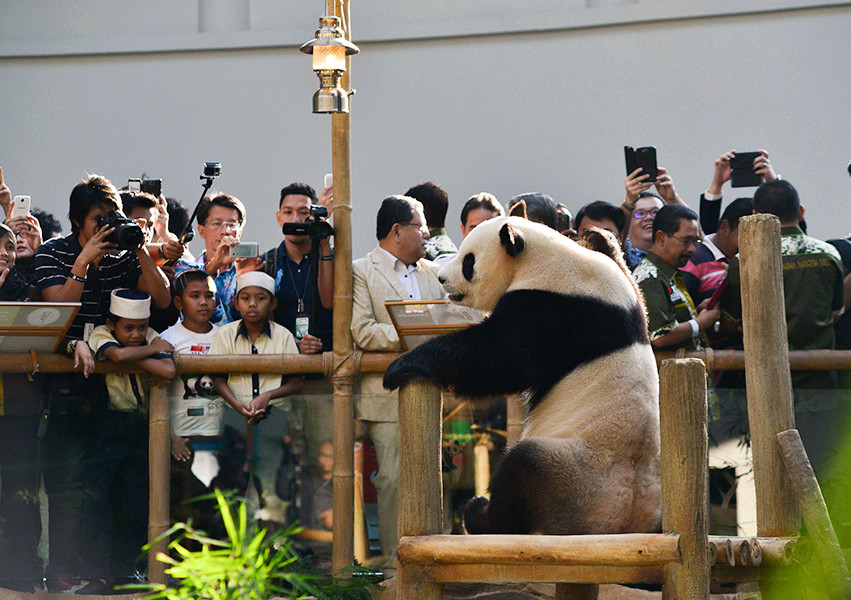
(511, 239)
(518, 210)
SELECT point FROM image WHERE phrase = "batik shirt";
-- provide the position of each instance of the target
(439, 244)
(668, 302)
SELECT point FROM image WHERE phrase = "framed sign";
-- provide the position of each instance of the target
(417, 321)
(38, 326)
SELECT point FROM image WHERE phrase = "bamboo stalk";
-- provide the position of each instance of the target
(482, 471)
(684, 469)
(819, 528)
(624, 549)
(344, 376)
(361, 538)
(515, 415)
(420, 481)
(377, 362)
(768, 380)
(159, 465)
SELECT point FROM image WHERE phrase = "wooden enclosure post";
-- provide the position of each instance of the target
(820, 529)
(345, 371)
(684, 470)
(769, 382)
(159, 469)
(420, 480)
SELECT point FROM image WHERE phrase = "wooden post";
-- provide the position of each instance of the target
(826, 545)
(420, 480)
(345, 373)
(159, 469)
(769, 383)
(684, 468)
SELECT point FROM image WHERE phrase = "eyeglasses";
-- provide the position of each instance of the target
(216, 224)
(420, 226)
(687, 242)
(640, 214)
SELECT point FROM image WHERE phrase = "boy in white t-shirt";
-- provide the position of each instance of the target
(196, 407)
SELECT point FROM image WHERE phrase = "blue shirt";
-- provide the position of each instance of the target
(632, 255)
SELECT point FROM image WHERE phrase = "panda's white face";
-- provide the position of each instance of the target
(484, 268)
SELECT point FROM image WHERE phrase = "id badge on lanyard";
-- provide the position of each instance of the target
(302, 321)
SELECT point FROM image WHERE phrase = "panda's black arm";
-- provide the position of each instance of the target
(532, 339)
(494, 357)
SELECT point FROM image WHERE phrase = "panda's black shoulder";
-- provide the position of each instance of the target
(553, 314)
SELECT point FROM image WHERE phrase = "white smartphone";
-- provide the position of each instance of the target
(329, 180)
(245, 250)
(134, 185)
(21, 206)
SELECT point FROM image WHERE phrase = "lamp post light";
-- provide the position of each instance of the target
(329, 48)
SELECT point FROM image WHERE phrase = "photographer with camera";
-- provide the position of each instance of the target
(105, 251)
(301, 263)
(221, 218)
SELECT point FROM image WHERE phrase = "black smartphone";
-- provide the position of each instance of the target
(154, 187)
(644, 157)
(743, 174)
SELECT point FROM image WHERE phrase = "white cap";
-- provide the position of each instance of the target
(256, 278)
(130, 304)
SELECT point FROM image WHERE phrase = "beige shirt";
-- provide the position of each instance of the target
(127, 391)
(232, 339)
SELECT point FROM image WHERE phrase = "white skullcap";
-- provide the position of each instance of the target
(255, 278)
(130, 304)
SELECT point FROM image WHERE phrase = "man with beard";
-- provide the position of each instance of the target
(673, 320)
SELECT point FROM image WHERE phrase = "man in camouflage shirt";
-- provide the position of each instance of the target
(673, 320)
(814, 300)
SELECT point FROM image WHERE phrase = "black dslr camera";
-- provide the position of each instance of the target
(127, 235)
(313, 226)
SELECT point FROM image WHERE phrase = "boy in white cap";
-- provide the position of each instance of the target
(118, 457)
(252, 395)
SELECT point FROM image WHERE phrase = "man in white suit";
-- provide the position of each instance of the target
(394, 270)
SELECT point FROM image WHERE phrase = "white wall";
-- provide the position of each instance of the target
(546, 111)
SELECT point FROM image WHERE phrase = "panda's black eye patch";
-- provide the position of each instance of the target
(467, 266)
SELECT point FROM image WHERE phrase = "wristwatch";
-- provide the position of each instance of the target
(71, 347)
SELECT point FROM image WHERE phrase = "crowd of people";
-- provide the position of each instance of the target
(144, 297)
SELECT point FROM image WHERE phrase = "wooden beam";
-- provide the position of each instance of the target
(625, 549)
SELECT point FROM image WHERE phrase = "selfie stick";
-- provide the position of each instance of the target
(188, 234)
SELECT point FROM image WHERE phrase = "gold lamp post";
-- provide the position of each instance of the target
(329, 49)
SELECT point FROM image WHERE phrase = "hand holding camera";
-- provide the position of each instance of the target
(97, 246)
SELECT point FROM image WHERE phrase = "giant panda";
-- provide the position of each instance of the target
(567, 327)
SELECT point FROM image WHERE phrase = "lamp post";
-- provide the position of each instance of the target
(330, 49)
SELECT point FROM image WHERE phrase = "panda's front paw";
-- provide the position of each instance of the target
(402, 370)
